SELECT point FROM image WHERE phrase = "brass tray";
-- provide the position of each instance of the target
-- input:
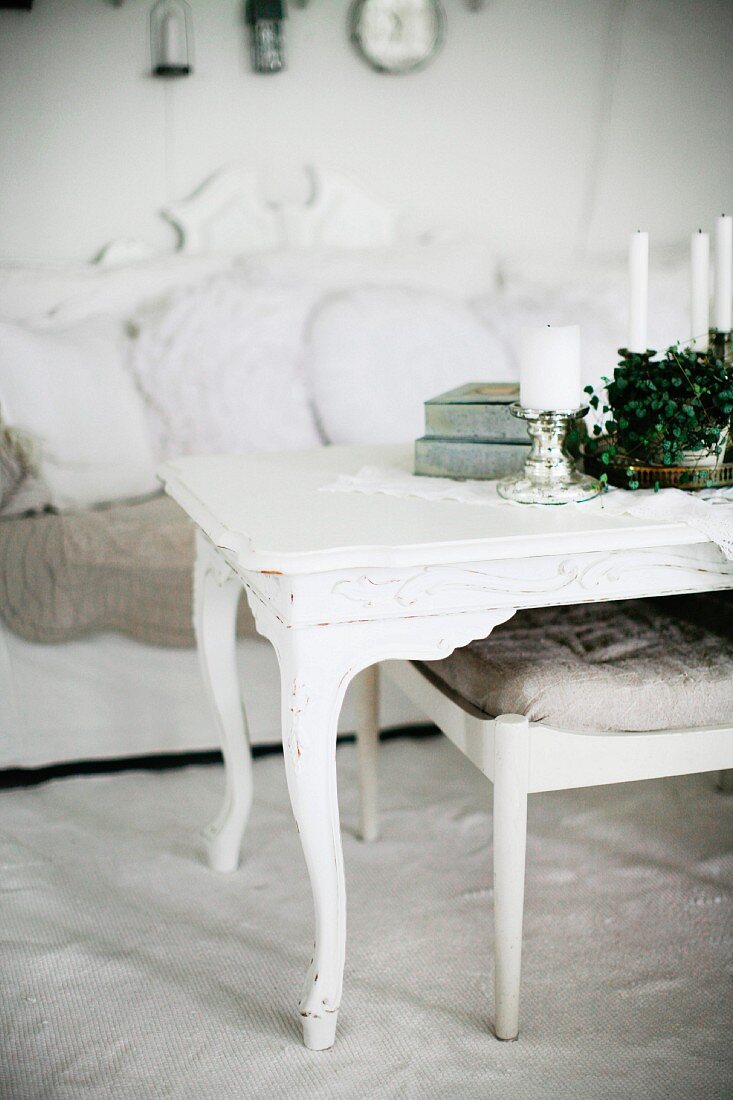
(666, 477)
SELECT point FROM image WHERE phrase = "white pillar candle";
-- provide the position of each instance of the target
(723, 288)
(638, 291)
(699, 290)
(549, 368)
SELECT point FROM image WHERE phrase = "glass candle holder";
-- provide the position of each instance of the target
(171, 38)
(550, 475)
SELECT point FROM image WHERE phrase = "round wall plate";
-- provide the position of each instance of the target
(397, 36)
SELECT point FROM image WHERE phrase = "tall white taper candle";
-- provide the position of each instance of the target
(638, 290)
(723, 288)
(549, 368)
(699, 290)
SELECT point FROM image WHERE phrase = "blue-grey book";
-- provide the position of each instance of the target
(478, 410)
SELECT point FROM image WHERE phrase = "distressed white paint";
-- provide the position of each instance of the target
(339, 583)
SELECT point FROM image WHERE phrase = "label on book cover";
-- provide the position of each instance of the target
(479, 393)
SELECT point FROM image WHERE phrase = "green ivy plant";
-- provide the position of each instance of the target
(656, 409)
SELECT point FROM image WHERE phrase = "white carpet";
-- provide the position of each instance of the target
(131, 971)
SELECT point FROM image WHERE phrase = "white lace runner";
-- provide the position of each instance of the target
(709, 511)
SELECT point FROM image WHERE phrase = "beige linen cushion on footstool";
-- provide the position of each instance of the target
(632, 665)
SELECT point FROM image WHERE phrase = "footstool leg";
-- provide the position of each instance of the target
(366, 688)
(725, 780)
(217, 591)
(511, 777)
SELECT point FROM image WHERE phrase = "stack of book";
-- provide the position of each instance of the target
(470, 433)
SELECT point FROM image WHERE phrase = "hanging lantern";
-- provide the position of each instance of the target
(171, 38)
(265, 19)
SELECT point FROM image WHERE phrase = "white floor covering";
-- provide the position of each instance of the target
(129, 970)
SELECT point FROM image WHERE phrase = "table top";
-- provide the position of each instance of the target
(268, 510)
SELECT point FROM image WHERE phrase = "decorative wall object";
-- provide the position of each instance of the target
(265, 19)
(397, 36)
(171, 38)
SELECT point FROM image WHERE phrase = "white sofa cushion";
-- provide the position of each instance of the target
(375, 355)
(220, 367)
(62, 293)
(29, 290)
(69, 390)
(599, 289)
(460, 269)
(593, 294)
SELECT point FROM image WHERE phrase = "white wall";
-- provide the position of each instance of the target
(544, 122)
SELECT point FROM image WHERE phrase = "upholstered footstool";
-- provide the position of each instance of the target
(627, 666)
(578, 696)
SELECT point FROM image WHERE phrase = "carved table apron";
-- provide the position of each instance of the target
(341, 581)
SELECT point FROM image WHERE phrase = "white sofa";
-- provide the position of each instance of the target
(234, 344)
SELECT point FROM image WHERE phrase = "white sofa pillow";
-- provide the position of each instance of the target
(375, 355)
(220, 368)
(69, 390)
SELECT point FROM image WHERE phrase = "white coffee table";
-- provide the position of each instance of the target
(341, 581)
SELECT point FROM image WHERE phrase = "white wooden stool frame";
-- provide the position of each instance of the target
(340, 585)
(521, 758)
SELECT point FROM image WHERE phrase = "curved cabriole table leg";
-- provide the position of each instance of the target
(317, 663)
(217, 591)
(314, 678)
